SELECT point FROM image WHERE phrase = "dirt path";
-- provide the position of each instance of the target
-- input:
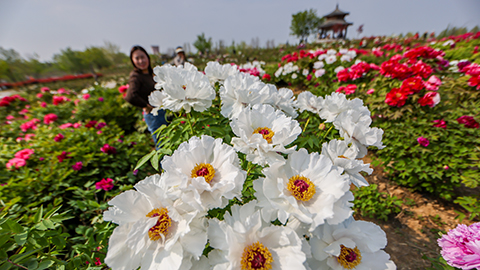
(414, 232)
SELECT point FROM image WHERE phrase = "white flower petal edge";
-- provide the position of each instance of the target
(156, 230)
(218, 73)
(263, 131)
(234, 238)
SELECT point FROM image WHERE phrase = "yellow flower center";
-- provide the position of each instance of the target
(256, 256)
(184, 87)
(349, 258)
(266, 133)
(301, 188)
(163, 223)
(342, 156)
(204, 169)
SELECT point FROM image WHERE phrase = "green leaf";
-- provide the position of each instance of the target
(155, 161)
(52, 211)
(45, 264)
(19, 257)
(13, 226)
(21, 238)
(38, 214)
(144, 159)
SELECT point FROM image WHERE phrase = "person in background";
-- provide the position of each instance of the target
(141, 84)
(179, 59)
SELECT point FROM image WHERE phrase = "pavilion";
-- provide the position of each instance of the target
(334, 22)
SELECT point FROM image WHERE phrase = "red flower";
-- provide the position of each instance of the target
(91, 124)
(109, 150)
(25, 153)
(412, 85)
(266, 77)
(468, 121)
(77, 166)
(423, 141)
(105, 184)
(440, 123)
(421, 69)
(430, 99)
(59, 137)
(343, 75)
(396, 97)
(63, 155)
(50, 118)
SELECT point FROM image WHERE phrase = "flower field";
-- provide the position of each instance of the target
(262, 167)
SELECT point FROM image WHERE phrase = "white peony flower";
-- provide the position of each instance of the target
(320, 72)
(343, 51)
(240, 91)
(217, 72)
(205, 172)
(155, 231)
(330, 59)
(345, 157)
(352, 54)
(352, 245)
(305, 72)
(331, 52)
(243, 241)
(184, 88)
(263, 132)
(278, 72)
(346, 58)
(318, 65)
(156, 100)
(294, 76)
(308, 101)
(354, 127)
(307, 187)
(322, 57)
(337, 69)
(282, 99)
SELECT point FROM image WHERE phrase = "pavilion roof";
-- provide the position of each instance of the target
(330, 23)
(336, 12)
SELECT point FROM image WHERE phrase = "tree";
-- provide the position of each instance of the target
(203, 44)
(71, 61)
(304, 24)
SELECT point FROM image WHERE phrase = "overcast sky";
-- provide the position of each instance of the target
(45, 27)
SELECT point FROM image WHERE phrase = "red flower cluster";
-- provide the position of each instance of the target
(430, 99)
(423, 52)
(396, 97)
(440, 123)
(421, 69)
(20, 159)
(49, 118)
(355, 71)
(32, 124)
(63, 156)
(394, 69)
(59, 137)
(91, 123)
(412, 85)
(294, 57)
(392, 46)
(474, 71)
(5, 101)
(59, 100)
(349, 89)
(468, 121)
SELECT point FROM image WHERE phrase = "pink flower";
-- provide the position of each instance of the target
(101, 125)
(370, 91)
(350, 89)
(123, 88)
(41, 158)
(86, 96)
(44, 89)
(100, 99)
(29, 136)
(59, 137)
(10, 117)
(423, 141)
(43, 104)
(77, 166)
(446, 167)
(63, 155)
(16, 163)
(25, 153)
(433, 83)
(461, 246)
(64, 126)
(76, 101)
(77, 125)
(99, 132)
(440, 123)
(62, 91)
(50, 118)
(107, 149)
(105, 184)
(39, 95)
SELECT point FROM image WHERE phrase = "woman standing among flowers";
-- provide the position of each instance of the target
(141, 84)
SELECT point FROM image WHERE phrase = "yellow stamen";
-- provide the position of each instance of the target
(204, 169)
(349, 258)
(265, 132)
(256, 257)
(163, 223)
(301, 188)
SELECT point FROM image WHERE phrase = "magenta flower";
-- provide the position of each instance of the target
(107, 149)
(105, 184)
(101, 125)
(86, 96)
(59, 137)
(100, 99)
(49, 118)
(370, 91)
(433, 83)
(423, 141)
(440, 123)
(16, 163)
(77, 166)
(64, 126)
(43, 104)
(461, 246)
(45, 89)
(63, 155)
(10, 117)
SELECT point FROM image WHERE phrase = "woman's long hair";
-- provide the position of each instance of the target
(135, 48)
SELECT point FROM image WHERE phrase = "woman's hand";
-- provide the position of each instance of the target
(148, 109)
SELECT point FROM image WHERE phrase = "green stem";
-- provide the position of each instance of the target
(306, 124)
(328, 131)
(190, 123)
